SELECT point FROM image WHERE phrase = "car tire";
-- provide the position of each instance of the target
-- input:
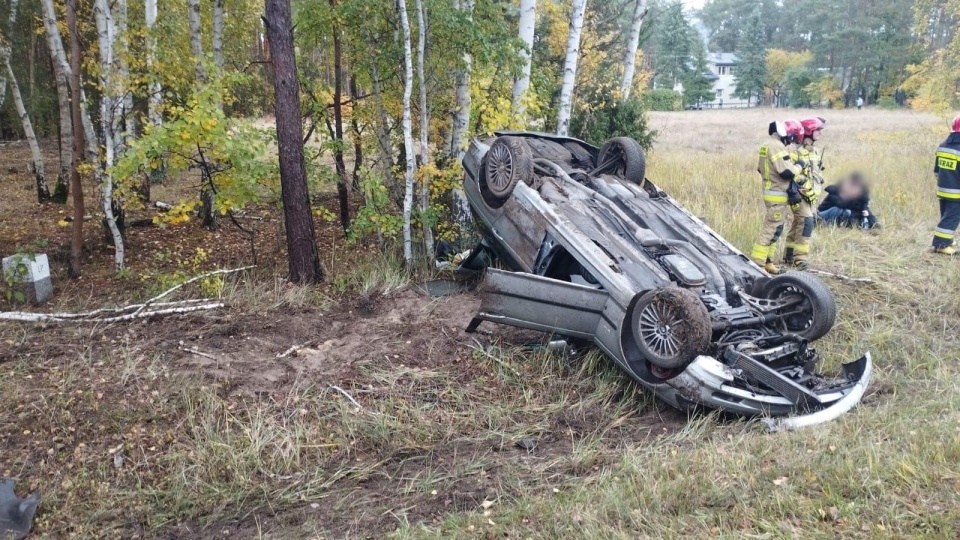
(508, 162)
(671, 327)
(632, 164)
(819, 309)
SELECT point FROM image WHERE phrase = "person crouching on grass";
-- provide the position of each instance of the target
(847, 204)
(948, 191)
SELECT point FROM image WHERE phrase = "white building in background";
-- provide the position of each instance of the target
(722, 68)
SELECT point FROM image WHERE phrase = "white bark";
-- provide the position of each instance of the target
(407, 133)
(218, 35)
(528, 20)
(109, 119)
(60, 74)
(126, 113)
(155, 99)
(630, 56)
(43, 190)
(424, 132)
(461, 116)
(570, 66)
(195, 44)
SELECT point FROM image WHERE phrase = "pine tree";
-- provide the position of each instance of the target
(752, 70)
(697, 88)
(672, 43)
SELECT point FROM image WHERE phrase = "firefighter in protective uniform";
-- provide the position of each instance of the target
(810, 185)
(778, 172)
(947, 168)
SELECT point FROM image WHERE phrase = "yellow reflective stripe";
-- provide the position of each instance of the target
(760, 253)
(774, 196)
(802, 249)
(779, 155)
(948, 155)
(948, 150)
(943, 193)
(943, 233)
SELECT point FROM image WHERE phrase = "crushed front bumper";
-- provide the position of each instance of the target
(709, 383)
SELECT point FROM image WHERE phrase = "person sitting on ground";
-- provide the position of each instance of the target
(847, 203)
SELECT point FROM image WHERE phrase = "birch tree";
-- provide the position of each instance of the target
(461, 115)
(55, 46)
(109, 120)
(218, 35)
(43, 191)
(528, 20)
(630, 55)
(424, 132)
(570, 66)
(121, 51)
(407, 133)
(155, 98)
(73, 72)
(195, 44)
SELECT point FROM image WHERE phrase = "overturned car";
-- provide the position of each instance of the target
(596, 251)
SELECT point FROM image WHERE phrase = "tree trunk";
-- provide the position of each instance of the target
(109, 121)
(218, 35)
(76, 187)
(126, 116)
(43, 191)
(195, 44)
(407, 134)
(461, 116)
(302, 255)
(155, 95)
(570, 66)
(355, 133)
(528, 20)
(630, 56)
(342, 182)
(60, 74)
(424, 134)
(462, 215)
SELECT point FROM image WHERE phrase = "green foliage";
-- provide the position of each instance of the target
(614, 119)
(672, 46)
(662, 99)
(798, 80)
(230, 154)
(697, 88)
(888, 103)
(751, 74)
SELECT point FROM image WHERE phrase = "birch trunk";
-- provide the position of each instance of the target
(126, 115)
(462, 214)
(195, 44)
(60, 74)
(570, 66)
(43, 191)
(73, 71)
(218, 35)
(109, 121)
(630, 56)
(407, 134)
(461, 117)
(528, 20)
(424, 134)
(155, 99)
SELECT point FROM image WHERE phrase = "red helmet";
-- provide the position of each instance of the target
(814, 123)
(956, 124)
(793, 129)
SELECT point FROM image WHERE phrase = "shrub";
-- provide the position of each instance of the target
(662, 99)
(888, 103)
(614, 119)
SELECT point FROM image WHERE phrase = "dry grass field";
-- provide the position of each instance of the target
(129, 433)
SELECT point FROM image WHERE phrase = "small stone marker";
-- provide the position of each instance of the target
(31, 275)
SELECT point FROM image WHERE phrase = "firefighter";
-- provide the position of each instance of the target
(947, 168)
(778, 170)
(810, 185)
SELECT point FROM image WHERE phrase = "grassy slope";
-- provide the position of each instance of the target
(888, 469)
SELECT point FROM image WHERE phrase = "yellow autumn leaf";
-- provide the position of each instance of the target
(63, 223)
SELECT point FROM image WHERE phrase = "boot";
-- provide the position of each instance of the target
(946, 250)
(801, 264)
(771, 268)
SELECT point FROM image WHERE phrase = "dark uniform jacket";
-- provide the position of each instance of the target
(855, 205)
(947, 169)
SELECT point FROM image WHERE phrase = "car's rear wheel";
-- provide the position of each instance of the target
(623, 156)
(508, 162)
(814, 311)
(671, 327)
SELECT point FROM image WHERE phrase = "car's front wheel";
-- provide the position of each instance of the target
(508, 162)
(812, 309)
(623, 156)
(671, 327)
